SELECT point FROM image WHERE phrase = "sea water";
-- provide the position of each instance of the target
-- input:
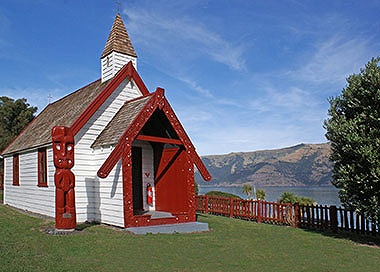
(323, 195)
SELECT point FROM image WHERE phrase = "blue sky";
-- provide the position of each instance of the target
(241, 75)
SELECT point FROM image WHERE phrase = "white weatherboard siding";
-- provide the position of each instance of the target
(113, 62)
(28, 196)
(147, 171)
(96, 199)
(87, 162)
(106, 194)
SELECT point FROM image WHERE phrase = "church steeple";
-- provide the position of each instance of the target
(118, 50)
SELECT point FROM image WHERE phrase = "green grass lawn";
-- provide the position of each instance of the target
(231, 245)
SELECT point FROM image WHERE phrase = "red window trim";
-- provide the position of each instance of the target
(42, 168)
(16, 170)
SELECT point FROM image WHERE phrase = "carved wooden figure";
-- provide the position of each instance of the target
(64, 179)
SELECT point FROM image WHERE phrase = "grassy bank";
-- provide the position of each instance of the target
(231, 245)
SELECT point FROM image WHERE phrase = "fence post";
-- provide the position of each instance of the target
(333, 219)
(231, 207)
(373, 227)
(362, 223)
(259, 211)
(206, 208)
(297, 216)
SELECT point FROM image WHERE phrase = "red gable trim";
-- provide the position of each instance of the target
(129, 134)
(127, 71)
(157, 100)
(189, 147)
(158, 139)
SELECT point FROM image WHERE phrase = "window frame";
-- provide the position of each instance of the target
(16, 170)
(42, 168)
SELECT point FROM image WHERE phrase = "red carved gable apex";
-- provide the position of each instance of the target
(157, 100)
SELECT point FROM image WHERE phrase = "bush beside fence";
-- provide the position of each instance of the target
(305, 216)
(257, 210)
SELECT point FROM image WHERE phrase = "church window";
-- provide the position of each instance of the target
(42, 168)
(16, 170)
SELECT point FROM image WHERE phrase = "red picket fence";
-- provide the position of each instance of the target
(257, 210)
(305, 216)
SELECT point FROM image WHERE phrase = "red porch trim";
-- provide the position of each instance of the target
(111, 161)
(127, 71)
(129, 134)
(158, 139)
(157, 100)
(127, 185)
(170, 114)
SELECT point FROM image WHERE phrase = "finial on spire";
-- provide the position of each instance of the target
(118, 3)
(50, 97)
(118, 50)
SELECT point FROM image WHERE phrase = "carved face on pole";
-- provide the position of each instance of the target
(63, 147)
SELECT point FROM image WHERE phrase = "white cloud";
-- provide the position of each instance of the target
(194, 85)
(182, 36)
(334, 59)
(35, 97)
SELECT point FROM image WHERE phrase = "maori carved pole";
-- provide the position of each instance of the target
(64, 179)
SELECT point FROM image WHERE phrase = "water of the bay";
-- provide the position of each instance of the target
(323, 195)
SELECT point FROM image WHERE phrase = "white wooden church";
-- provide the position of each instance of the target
(126, 139)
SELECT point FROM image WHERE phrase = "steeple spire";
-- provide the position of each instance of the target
(118, 50)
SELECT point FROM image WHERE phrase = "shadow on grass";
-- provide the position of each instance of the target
(200, 215)
(85, 225)
(363, 239)
(81, 227)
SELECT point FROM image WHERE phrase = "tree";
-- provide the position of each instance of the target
(247, 189)
(221, 194)
(196, 188)
(353, 129)
(260, 194)
(14, 117)
(289, 197)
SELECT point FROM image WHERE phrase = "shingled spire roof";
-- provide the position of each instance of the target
(118, 40)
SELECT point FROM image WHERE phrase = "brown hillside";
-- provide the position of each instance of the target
(304, 164)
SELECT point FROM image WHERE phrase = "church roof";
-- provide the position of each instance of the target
(118, 39)
(73, 110)
(113, 131)
(60, 113)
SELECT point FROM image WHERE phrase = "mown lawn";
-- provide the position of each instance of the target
(231, 245)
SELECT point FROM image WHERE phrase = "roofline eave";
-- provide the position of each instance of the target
(129, 72)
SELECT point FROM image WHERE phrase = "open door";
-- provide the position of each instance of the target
(137, 190)
(171, 186)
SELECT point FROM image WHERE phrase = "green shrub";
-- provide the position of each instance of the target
(289, 197)
(260, 194)
(196, 188)
(221, 194)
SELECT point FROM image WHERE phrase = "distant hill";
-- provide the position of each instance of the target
(303, 164)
